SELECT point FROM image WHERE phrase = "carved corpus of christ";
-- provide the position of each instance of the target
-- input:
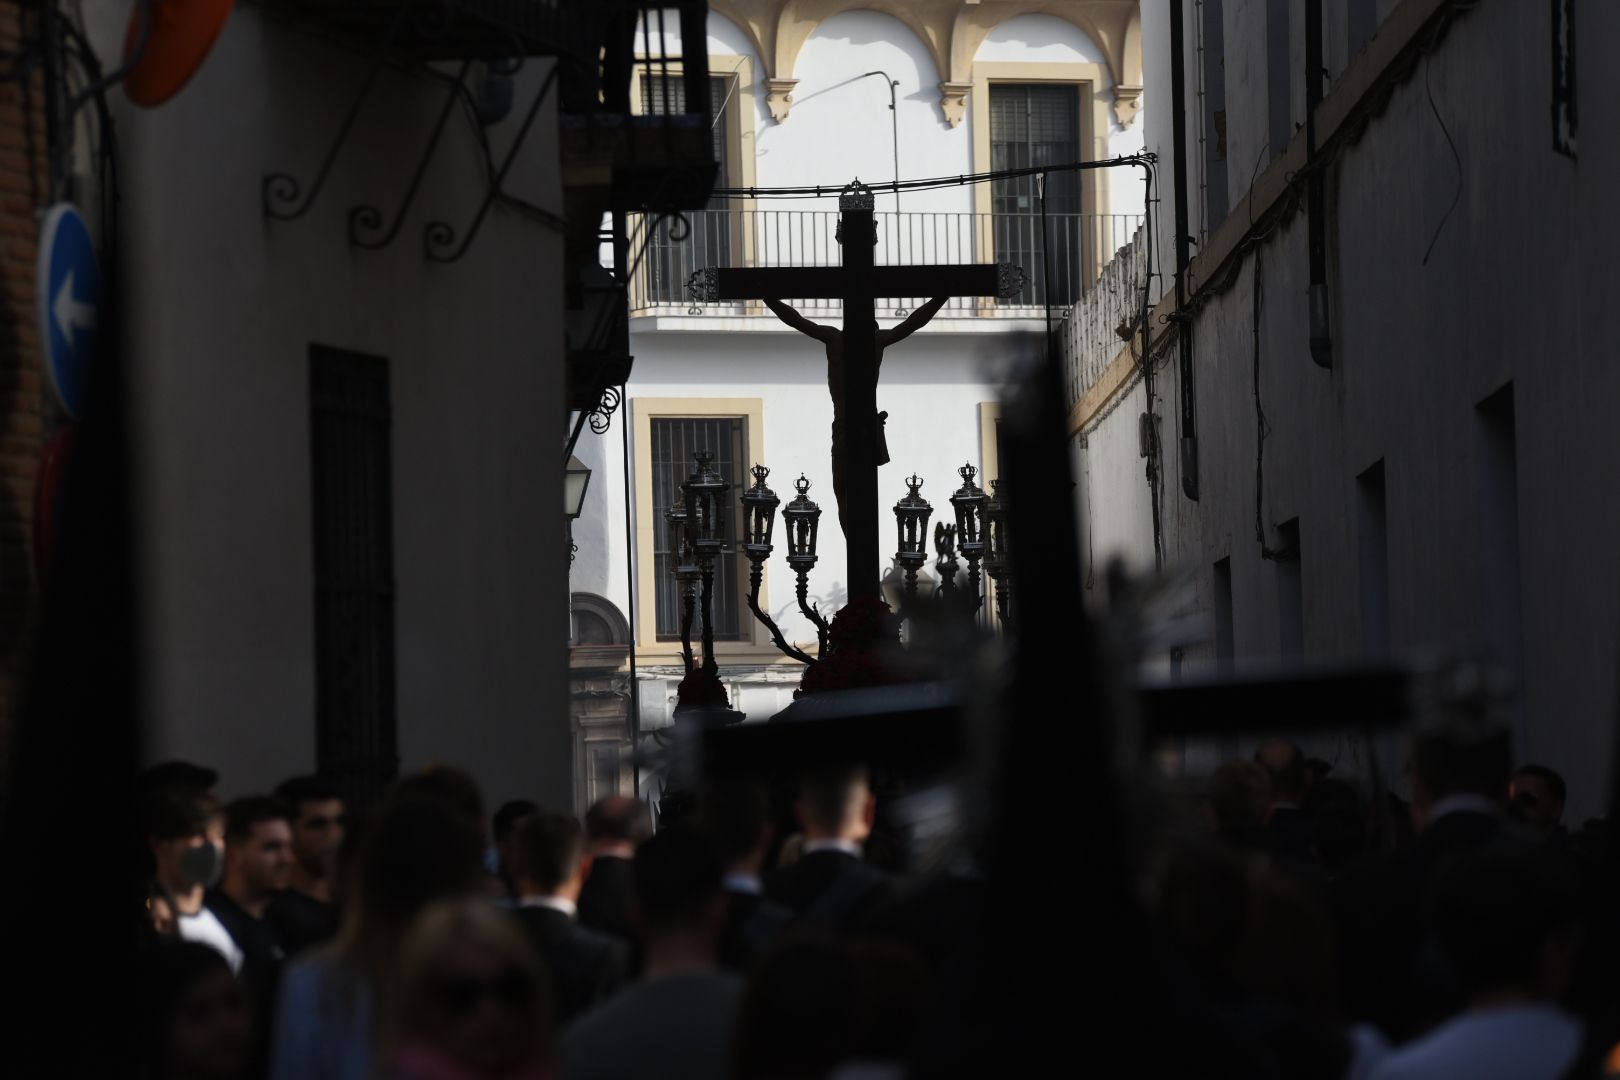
(833, 339)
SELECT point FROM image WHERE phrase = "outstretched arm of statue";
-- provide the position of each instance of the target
(914, 322)
(799, 322)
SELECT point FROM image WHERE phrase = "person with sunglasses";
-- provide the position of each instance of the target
(470, 1001)
(305, 913)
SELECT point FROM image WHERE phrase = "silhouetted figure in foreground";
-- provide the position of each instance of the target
(614, 827)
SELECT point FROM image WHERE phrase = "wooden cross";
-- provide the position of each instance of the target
(859, 284)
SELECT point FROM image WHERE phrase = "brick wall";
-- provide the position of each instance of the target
(24, 191)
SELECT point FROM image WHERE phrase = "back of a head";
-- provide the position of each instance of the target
(1494, 911)
(508, 815)
(1555, 782)
(677, 878)
(735, 814)
(1461, 758)
(242, 815)
(830, 799)
(454, 786)
(547, 850)
(175, 774)
(418, 848)
(618, 819)
(298, 790)
(1238, 793)
(166, 973)
(1285, 764)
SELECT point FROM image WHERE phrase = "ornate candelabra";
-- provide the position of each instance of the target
(969, 501)
(911, 515)
(996, 557)
(848, 649)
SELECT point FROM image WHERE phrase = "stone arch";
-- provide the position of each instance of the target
(599, 617)
(974, 22)
(801, 18)
(735, 13)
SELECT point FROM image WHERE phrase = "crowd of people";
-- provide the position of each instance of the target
(1299, 928)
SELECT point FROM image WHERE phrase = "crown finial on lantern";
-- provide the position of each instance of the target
(802, 485)
(760, 473)
(967, 473)
(914, 482)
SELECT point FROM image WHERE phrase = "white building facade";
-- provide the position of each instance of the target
(1447, 486)
(806, 101)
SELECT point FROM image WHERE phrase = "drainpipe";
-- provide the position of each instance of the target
(1178, 133)
(1316, 213)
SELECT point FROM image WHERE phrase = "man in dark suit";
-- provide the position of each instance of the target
(614, 828)
(547, 855)
(1459, 778)
(736, 816)
(830, 884)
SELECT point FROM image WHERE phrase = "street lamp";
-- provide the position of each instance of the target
(803, 518)
(997, 557)
(759, 505)
(968, 501)
(686, 576)
(706, 492)
(576, 479)
(911, 516)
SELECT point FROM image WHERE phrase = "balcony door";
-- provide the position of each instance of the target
(670, 261)
(1033, 124)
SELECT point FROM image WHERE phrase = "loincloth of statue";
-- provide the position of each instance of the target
(838, 443)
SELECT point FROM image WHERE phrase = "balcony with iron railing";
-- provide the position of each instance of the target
(1062, 255)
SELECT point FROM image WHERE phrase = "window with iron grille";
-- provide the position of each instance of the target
(1034, 124)
(671, 262)
(356, 740)
(674, 442)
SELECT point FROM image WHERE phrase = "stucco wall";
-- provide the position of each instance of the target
(1515, 289)
(225, 306)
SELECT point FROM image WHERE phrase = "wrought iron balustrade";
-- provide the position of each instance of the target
(1071, 248)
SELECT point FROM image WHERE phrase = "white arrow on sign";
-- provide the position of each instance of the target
(71, 312)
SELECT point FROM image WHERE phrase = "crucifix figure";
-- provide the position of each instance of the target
(833, 339)
(852, 369)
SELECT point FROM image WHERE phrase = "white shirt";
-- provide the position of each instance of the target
(555, 903)
(1516, 1042)
(206, 928)
(848, 847)
(743, 883)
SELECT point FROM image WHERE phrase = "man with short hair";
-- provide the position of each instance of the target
(184, 863)
(1460, 770)
(305, 913)
(736, 815)
(678, 1020)
(258, 861)
(503, 827)
(547, 863)
(1537, 794)
(830, 883)
(614, 828)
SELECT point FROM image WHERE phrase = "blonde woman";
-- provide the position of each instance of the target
(470, 1001)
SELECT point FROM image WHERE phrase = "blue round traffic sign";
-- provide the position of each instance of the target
(69, 289)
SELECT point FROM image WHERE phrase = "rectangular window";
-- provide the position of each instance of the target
(675, 441)
(1212, 63)
(1496, 442)
(1223, 614)
(1290, 592)
(1279, 80)
(1363, 16)
(352, 503)
(1374, 544)
(1035, 124)
(671, 262)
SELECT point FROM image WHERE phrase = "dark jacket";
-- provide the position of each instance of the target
(604, 902)
(585, 966)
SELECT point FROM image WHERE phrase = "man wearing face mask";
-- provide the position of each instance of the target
(186, 863)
